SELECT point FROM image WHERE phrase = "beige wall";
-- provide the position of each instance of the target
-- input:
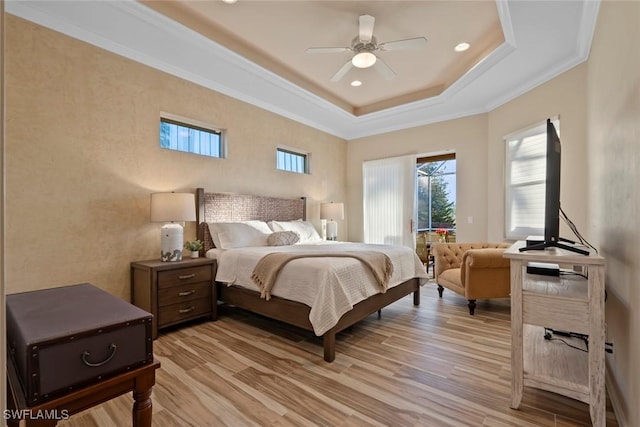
(466, 136)
(83, 156)
(613, 92)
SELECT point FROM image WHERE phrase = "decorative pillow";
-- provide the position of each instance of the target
(305, 229)
(227, 235)
(283, 238)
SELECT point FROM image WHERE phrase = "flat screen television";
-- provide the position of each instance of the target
(552, 198)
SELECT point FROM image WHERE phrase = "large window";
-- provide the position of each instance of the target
(292, 161)
(185, 135)
(436, 192)
(525, 180)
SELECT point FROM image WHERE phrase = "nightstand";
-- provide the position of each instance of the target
(175, 291)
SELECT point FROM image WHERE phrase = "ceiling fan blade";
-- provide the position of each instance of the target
(328, 50)
(366, 28)
(408, 44)
(342, 71)
(384, 70)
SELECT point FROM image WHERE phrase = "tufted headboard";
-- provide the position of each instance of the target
(228, 207)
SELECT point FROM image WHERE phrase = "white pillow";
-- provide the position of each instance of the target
(305, 229)
(227, 235)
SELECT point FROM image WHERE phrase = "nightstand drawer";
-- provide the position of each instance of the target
(184, 275)
(182, 311)
(182, 293)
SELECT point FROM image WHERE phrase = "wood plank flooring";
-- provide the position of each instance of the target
(432, 365)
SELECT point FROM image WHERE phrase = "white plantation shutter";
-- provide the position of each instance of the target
(389, 200)
(525, 182)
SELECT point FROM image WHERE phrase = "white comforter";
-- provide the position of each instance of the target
(330, 286)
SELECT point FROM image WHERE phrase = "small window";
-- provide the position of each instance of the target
(291, 161)
(180, 135)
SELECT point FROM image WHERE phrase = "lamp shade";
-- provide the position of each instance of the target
(332, 211)
(167, 207)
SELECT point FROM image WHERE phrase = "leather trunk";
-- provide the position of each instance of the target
(65, 338)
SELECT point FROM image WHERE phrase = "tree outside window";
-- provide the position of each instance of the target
(436, 195)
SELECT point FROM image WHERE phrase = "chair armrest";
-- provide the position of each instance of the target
(485, 258)
(485, 273)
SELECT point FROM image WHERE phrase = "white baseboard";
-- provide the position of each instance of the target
(615, 398)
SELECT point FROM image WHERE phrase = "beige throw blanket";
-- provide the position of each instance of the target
(267, 269)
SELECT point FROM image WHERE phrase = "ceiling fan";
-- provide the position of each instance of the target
(364, 45)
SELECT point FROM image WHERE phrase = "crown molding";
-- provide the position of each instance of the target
(148, 37)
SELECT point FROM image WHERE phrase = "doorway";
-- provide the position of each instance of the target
(436, 196)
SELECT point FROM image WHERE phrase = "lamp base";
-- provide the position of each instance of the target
(171, 242)
(332, 230)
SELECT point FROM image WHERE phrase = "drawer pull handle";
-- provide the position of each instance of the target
(187, 310)
(187, 276)
(85, 356)
(187, 293)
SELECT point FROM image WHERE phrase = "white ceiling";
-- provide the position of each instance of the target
(258, 53)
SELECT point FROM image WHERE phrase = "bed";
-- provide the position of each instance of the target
(235, 265)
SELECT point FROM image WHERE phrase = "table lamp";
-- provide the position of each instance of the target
(332, 211)
(171, 208)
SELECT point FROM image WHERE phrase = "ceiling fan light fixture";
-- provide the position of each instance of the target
(363, 60)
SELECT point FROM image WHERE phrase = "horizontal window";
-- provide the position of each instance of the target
(292, 161)
(191, 138)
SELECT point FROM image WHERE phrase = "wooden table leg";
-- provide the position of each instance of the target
(142, 400)
(517, 356)
(597, 392)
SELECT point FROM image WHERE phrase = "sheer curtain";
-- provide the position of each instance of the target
(389, 196)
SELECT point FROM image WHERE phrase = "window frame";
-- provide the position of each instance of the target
(521, 231)
(306, 156)
(198, 126)
(433, 159)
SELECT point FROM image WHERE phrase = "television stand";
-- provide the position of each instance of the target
(557, 244)
(567, 304)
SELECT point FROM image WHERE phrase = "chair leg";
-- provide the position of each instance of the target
(440, 290)
(472, 306)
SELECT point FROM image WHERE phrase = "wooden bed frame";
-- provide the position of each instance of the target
(236, 207)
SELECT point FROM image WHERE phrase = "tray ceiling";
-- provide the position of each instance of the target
(255, 51)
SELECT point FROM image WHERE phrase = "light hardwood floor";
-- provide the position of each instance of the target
(432, 365)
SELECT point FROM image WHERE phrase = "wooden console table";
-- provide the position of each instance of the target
(570, 302)
(139, 381)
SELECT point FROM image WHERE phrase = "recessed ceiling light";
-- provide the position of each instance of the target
(461, 47)
(356, 83)
(230, 1)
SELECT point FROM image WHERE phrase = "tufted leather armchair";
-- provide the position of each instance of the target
(473, 270)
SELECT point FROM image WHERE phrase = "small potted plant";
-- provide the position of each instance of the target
(442, 234)
(194, 246)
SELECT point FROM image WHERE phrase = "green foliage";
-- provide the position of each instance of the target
(443, 210)
(194, 245)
